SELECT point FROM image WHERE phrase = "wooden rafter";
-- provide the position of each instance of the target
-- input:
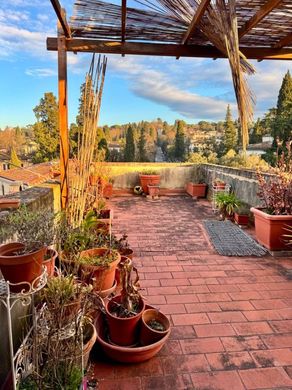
(287, 40)
(61, 17)
(156, 49)
(195, 21)
(260, 15)
(124, 16)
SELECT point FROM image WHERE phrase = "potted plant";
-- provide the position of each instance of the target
(153, 191)
(98, 267)
(275, 194)
(241, 215)
(50, 261)
(219, 184)
(62, 295)
(22, 261)
(154, 326)
(108, 188)
(124, 311)
(122, 245)
(227, 204)
(149, 177)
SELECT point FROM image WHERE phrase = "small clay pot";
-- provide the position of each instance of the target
(123, 331)
(20, 268)
(148, 335)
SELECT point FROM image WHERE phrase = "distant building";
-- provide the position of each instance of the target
(18, 179)
(261, 147)
(114, 146)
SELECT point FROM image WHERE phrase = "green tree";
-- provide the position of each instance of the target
(179, 144)
(142, 146)
(102, 145)
(14, 160)
(283, 121)
(230, 133)
(129, 154)
(46, 130)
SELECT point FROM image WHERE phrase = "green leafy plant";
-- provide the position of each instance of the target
(242, 209)
(103, 260)
(227, 203)
(149, 172)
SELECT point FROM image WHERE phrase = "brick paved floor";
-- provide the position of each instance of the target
(231, 317)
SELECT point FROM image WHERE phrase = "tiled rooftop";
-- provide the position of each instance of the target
(31, 175)
(231, 317)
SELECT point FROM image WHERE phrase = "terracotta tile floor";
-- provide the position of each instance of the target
(231, 317)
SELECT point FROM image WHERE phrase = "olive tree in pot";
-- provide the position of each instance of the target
(124, 311)
(149, 177)
(21, 261)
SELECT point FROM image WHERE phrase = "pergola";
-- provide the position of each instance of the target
(177, 28)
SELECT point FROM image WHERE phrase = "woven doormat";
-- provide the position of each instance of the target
(229, 240)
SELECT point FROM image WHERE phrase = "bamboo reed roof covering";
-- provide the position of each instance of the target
(166, 21)
(174, 28)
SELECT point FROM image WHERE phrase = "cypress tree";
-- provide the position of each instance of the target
(282, 125)
(179, 145)
(15, 161)
(141, 145)
(230, 133)
(129, 154)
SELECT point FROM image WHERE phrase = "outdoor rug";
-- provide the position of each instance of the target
(229, 240)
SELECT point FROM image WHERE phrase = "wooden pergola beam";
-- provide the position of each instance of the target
(123, 21)
(170, 50)
(287, 40)
(195, 21)
(61, 17)
(260, 15)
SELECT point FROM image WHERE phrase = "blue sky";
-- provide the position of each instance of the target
(136, 88)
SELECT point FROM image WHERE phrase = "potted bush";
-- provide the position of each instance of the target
(227, 204)
(124, 311)
(276, 210)
(22, 261)
(154, 326)
(149, 177)
(98, 267)
(241, 215)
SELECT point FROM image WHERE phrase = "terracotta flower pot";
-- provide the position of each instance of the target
(148, 335)
(123, 331)
(91, 334)
(127, 252)
(125, 354)
(18, 268)
(270, 229)
(219, 186)
(107, 190)
(153, 190)
(146, 180)
(104, 276)
(241, 219)
(50, 261)
(196, 190)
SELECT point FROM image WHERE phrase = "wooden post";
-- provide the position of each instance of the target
(63, 117)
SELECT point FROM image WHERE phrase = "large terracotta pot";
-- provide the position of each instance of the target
(50, 261)
(104, 277)
(123, 331)
(196, 190)
(18, 268)
(125, 354)
(270, 229)
(149, 335)
(152, 180)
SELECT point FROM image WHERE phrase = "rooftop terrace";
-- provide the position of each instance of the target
(231, 317)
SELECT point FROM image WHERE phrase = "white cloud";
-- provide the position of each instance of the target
(41, 72)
